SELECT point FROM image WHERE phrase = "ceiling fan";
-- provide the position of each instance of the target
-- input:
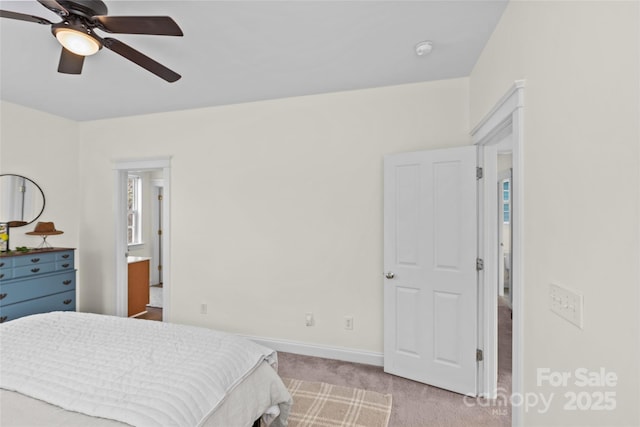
(75, 33)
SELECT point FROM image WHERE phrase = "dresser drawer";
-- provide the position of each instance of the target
(64, 265)
(22, 290)
(64, 256)
(64, 301)
(34, 259)
(6, 273)
(32, 270)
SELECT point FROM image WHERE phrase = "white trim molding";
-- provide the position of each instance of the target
(506, 119)
(316, 350)
(142, 164)
(500, 115)
(121, 168)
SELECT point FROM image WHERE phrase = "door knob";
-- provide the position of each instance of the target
(390, 275)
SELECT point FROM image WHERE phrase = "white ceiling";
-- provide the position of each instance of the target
(241, 51)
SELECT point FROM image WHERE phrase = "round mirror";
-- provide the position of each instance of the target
(21, 200)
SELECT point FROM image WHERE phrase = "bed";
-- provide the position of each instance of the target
(78, 369)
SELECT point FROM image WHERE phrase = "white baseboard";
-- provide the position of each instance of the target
(316, 350)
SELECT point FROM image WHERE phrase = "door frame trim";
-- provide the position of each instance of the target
(505, 118)
(120, 170)
(156, 185)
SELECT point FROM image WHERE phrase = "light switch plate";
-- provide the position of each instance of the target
(567, 304)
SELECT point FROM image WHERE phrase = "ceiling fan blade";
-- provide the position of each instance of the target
(142, 60)
(23, 17)
(70, 63)
(54, 6)
(153, 25)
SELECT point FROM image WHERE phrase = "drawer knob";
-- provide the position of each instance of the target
(3, 319)
(67, 301)
(35, 259)
(35, 270)
(1, 275)
(65, 256)
(1, 264)
(65, 265)
(66, 282)
(3, 296)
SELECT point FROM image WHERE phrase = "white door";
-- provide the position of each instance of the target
(430, 285)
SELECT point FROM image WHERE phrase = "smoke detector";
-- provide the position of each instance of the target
(424, 48)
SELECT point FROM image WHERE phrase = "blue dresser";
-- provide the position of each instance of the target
(38, 281)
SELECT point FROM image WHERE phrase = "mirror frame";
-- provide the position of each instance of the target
(14, 224)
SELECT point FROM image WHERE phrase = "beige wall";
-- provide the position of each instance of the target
(44, 148)
(276, 206)
(581, 178)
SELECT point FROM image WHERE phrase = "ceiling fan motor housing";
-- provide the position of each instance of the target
(86, 8)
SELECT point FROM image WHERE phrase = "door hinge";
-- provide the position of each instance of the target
(479, 264)
(160, 197)
(159, 232)
(479, 172)
(479, 355)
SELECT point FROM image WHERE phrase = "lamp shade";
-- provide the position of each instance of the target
(77, 42)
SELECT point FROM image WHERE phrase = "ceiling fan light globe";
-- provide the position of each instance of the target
(77, 42)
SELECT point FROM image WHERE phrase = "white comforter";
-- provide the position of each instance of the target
(136, 372)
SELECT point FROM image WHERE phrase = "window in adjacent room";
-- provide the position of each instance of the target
(506, 201)
(134, 213)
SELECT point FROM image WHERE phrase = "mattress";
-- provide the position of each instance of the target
(67, 368)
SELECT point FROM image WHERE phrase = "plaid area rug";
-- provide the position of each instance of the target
(325, 405)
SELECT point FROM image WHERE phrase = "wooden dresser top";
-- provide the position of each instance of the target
(33, 251)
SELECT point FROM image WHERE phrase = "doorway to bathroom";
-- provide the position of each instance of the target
(142, 236)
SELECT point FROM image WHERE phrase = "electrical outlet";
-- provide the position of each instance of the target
(308, 319)
(203, 308)
(567, 304)
(348, 322)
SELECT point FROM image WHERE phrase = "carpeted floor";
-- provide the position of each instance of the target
(414, 404)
